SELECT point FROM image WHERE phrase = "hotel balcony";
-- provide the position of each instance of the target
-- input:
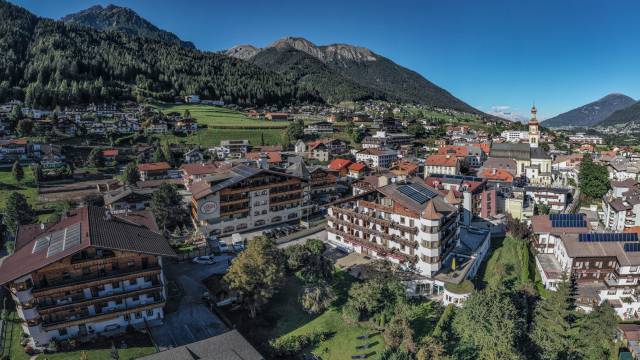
(120, 293)
(97, 277)
(85, 316)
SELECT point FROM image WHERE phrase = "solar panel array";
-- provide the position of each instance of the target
(632, 247)
(566, 217)
(417, 193)
(568, 223)
(59, 241)
(607, 237)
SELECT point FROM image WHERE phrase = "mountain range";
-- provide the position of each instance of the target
(116, 18)
(623, 117)
(594, 113)
(347, 72)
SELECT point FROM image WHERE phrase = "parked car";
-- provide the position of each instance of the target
(224, 247)
(207, 260)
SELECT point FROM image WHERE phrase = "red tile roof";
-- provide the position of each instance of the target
(154, 166)
(110, 152)
(357, 167)
(273, 156)
(453, 150)
(499, 175)
(339, 164)
(441, 160)
(485, 147)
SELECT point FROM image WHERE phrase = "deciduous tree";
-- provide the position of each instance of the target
(256, 273)
(17, 171)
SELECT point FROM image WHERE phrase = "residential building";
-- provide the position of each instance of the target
(235, 148)
(319, 128)
(384, 139)
(604, 266)
(410, 224)
(192, 173)
(556, 198)
(547, 229)
(245, 198)
(514, 136)
(226, 346)
(91, 273)
(582, 138)
(192, 99)
(621, 206)
(127, 198)
(357, 170)
(154, 171)
(441, 164)
(341, 166)
(277, 116)
(377, 158)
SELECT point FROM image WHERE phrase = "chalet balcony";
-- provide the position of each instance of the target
(371, 217)
(386, 236)
(95, 276)
(120, 293)
(85, 316)
(382, 251)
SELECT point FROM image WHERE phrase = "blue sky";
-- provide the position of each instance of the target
(560, 54)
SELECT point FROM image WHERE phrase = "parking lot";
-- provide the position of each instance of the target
(193, 320)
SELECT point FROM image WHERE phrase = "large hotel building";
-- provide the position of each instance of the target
(90, 273)
(245, 198)
(409, 223)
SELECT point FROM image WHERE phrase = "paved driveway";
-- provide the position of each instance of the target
(193, 321)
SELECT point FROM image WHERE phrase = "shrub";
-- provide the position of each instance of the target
(289, 346)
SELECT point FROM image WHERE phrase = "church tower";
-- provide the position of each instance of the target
(534, 129)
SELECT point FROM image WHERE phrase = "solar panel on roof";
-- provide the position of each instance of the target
(72, 236)
(428, 192)
(56, 244)
(607, 237)
(413, 194)
(41, 244)
(632, 247)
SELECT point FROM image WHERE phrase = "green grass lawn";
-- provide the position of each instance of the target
(27, 186)
(219, 117)
(11, 339)
(212, 137)
(284, 317)
(509, 263)
(104, 353)
(139, 345)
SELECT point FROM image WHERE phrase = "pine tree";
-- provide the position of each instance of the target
(131, 175)
(17, 212)
(17, 171)
(553, 322)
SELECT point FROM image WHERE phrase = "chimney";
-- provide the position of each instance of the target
(467, 213)
(107, 215)
(493, 171)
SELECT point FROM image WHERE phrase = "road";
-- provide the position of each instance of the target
(193, 321)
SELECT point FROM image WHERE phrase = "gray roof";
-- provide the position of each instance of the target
(439, 203)
(511, 151)
(228, 346)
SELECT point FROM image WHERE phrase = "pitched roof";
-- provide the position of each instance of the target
(110, 152)
(543, 224)
(511, 151)
(201, 168)
(430, 212)
(496, 174)
(272, 156)
(227, 346)
(95, 229)
(217, 182)
(441, 160)
(357, 166)
(339, 164)
(154, 166)
(454, 150)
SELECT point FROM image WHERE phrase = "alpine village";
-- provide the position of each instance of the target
(298, 201)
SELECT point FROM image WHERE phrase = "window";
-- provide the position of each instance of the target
(150, 313)
(611, 292)
(131, 264)
(62, 332)
(115, 285)
(138, 315)
(633, 269)
(127, 317)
